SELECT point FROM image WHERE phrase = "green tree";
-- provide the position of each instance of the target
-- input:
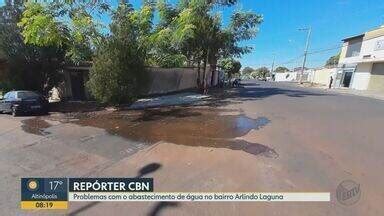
(163, 52)
(261, 72)
(29, 67)
(333, 61)
(243, 26)
(118, 74)
(192, 33)
(39, 37)
(281, 69)
(230, 66)
(199, 29)
(247, 70)
(67, 25)
(189, 33)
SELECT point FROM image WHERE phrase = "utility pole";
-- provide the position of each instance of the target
(305, 51)
(273, 64)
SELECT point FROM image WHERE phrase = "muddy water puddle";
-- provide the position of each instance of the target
(35, 126)
(183, 126)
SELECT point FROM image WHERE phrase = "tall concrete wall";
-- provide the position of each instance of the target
(376, 83)
(165, 80)
(323, 75)
(285, 77)
(361, 76)
(161, 80)
(343, 52)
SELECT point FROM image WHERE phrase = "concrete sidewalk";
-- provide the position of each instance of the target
(185, 98)
(363, 93)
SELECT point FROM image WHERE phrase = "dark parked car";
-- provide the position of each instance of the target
(23, 102)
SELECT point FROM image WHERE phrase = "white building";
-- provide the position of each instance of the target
(323, 75)
(361, 63)
(288, 76)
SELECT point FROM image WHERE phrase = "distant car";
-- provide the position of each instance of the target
(23, 102)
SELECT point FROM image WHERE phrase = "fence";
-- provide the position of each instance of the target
(161, 81)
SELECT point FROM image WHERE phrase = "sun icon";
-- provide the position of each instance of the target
(32, 184)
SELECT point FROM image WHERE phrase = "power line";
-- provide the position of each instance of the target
(324, 50)
(333, 48)
(314, 52)
(291, 61)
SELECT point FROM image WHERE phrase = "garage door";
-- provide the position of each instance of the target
(376, 82)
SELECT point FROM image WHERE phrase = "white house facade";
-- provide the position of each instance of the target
(361, 63)
(288, 76)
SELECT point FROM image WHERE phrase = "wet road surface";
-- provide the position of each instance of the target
(184, 126)
(35, 126)
(262, 137)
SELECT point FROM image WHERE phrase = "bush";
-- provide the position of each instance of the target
(118, 74)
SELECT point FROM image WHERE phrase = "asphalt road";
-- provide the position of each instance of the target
(292, 140)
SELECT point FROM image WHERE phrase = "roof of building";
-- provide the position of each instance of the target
(379, 31)
(353, 37)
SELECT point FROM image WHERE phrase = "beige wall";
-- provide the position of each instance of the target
(361, 76)
(376, 82)
(323, 75)
(343, 52)
(374, 33)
